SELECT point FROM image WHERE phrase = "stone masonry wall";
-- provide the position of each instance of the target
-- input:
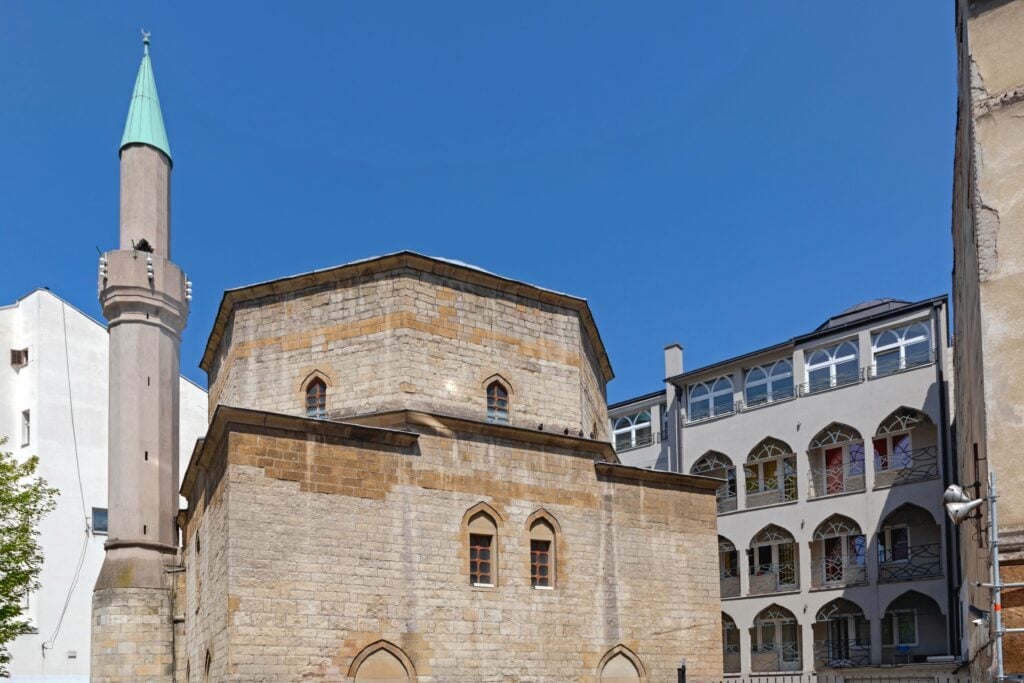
(338, 544)
(410, 339)
(205, 602)
(131, 635)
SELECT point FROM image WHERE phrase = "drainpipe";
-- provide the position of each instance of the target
(949, 474)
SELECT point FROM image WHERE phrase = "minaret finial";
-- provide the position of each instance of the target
(145, 40)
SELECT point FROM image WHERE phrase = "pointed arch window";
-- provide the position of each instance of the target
(775, 641)
(497, 403)
(832, 366)
(770, 473)
(901, 348)
(838, 553)
(773, 561)
(483, 546)
(715, 464)
(542, 554)
(316, 398)
(710, 399)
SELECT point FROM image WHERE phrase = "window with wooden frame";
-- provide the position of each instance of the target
(497, 402)
(542, 555)
(316, 398)
(483, 534)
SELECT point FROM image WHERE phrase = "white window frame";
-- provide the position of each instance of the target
(713, 392)
(901, 344)
(26, 427)
(769, 379)
(631, 428)
(833, 361)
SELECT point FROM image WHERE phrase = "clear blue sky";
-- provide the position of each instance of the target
(725, 175)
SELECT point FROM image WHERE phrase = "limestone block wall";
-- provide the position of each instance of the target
(405, 338)
(337, 544)
(131, 635)
(205, 600)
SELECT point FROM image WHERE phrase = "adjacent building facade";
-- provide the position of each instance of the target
(988, 279)
(833, 449)
(53, 404)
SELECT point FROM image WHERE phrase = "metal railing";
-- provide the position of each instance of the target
(775, 491)
(840, 380)
(767, 399)
(837, 654)
(836, 572)
(641, 441)
(909, 562)
(916, 360)
(715, 411)
(830, 481)
(775, 657)
(907, 467)
(777, 577)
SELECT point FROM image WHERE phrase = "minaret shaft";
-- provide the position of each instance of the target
(145, 199)
(145, 301)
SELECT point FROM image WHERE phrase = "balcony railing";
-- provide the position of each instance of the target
(881, 368)
(711, 414)
(775, 657)
(840, 380)
(775, 491)
(769, 398)
(774, 578)
(641, 441)
(836, 572)
(830, 481)
(909, 562)
(907, 467)
(729, 582)
(837, 654)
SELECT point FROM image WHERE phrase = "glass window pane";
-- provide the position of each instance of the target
(887, 629)
(700, 409)
(818, 357)
(782, 388)
(846, 372)
(698, 391)
(887, 338)
(757, 394)
(907, 628)
(756, 375)
(723, 404)
(887, 362)
(918, 353)
(819, 379)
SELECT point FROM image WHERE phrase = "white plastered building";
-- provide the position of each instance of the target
(53, 404)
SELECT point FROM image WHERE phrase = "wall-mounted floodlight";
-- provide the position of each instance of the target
(959, 505)
(978, 617)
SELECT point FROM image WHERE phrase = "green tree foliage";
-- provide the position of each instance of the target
(24, 500)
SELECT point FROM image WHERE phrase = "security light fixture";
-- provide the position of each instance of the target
(959, 505)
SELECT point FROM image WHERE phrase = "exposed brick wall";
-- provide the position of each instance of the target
(410, 339)
(336, 544)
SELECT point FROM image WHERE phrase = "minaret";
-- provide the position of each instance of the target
(145, 300)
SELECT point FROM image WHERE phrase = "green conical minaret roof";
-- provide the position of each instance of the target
(145, 124)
